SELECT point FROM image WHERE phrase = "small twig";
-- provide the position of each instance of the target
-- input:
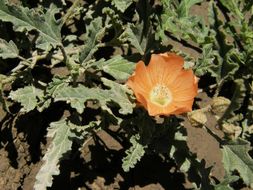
(65, 56)
(26, 61)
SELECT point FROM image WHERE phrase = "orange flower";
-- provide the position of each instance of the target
(164, 87)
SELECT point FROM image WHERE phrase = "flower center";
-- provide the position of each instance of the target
(160, 95)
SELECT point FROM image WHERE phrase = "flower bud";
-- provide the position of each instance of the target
(231, 130)
(197, 118)
(219, 105)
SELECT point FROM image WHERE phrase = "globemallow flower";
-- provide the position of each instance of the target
(164, 87)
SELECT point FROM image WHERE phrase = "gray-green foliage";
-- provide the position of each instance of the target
(78, 59)
(236, 157)
(27, 97)
(121, 5)
(60, 133)
(237, 99)
(224, 185)
(24, 19)
(134, 153)
(92, 41)
(118, 67)
(184, 7)
(134, 34)
(8, 49)
(79, 95)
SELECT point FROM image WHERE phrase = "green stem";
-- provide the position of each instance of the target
(66, 58)
(219, 86)
(70, 11)
(26, 62)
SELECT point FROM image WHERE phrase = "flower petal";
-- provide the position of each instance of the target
(154, 109)
(140, 83)
(183, 106)
(184, 86)
(167, 71)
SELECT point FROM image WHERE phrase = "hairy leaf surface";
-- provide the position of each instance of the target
(118, 67)
(236, 157)
(79, 95)
(184, 7)
(135, 36)
(224, 185)
(24, 19)
(27, 97)
(122, 5)
(95, 33)
(134, 154)
(61, 143)
(8, 49)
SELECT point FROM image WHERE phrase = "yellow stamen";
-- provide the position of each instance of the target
(160, 95)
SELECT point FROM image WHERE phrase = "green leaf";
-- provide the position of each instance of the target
(8, 49)
(233, 6)
(60, 133)
(205, 62)
(27, 97)
(228, 58)
(224, 185)
(118, 67)
(118, 94)
(236, 157)
(46, 100)
(236, 100)
(189, 27)
(79, 95)
(184, 7)
(92, 39)
(134, 154)
(134, 34)
(122, 5)
(24, 19)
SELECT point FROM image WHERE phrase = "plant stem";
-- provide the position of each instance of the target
(70, 11)
(219, 86)
(25, 60)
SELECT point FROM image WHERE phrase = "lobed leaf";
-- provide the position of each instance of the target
(61, 143)
(224, 185)
(27, 97)
(184, 7)
(95, 33)
(8, 49)
(233, 7)
(135, 36)
(121, 5)
(24, 19)
(79, 95)
(46, 100)
(134, 154)
(206, 61)
(118, 67)
(237, 99)
(180, 26)
(236, 157)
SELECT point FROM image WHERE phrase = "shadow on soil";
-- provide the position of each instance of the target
(106, 164)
